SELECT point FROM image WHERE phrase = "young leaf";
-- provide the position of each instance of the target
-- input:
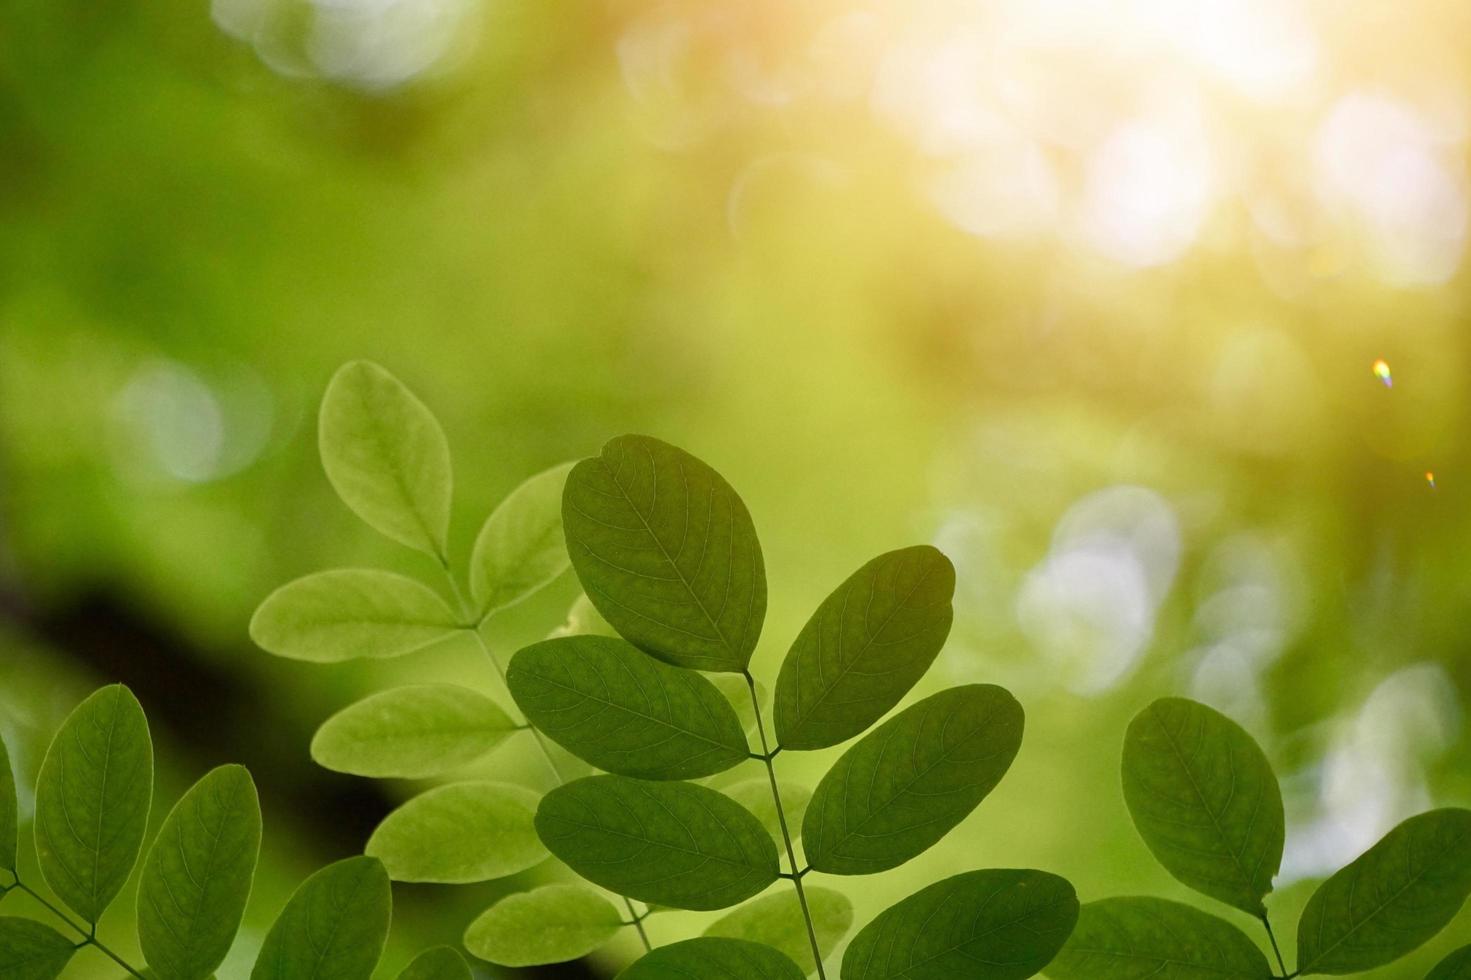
(906, 784)
(197, 876)
(439, 963)
(413, 732)
(550, 924)
(755, 795)
(328, 617)
(864, 648)
(386, 456)
(667, 552)
(776, 920)
(520, 548)
(459, 833)
(984, 925)
(333, 927)
(1456, 966)
(9, 811)
(675, 844)
(613, 706)
(1205, 800)
(31, 950)
(1391, 898)
(92, 800)
(1133, 938)
(711, 958)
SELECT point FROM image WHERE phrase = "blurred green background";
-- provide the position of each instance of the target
(1088, 294)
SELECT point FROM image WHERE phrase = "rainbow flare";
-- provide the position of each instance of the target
(1381, 371)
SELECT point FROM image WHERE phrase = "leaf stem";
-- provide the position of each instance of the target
(796, 877)
(1281, 965)
(89, 937)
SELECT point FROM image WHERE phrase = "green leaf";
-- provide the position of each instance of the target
(460, 833)
(92, 800)
(711, 958)
(1390, 899)
(906, 784)
(1135, 938)
(413, 732)
(733, 688)
(338, 615)
(333, 927)
(1205, 800)
(675, 844)
(755, 795)
(31, 950)
(439, 963)
(520, 548)
(550, 924)
(615, 707)
(583, 618)
(777, 921)
(667, 552)
(983, 925)
(1456, 966)
(864, 648)
(9, 811)
(386, 456)
(197, 876)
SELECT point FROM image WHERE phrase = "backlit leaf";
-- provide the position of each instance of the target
(733, 688)
(583, 618)
(1205, 800)
(9, 811)
(906, 784)
(520, 548)
(982, 925)
(666, 551)
(614, 706)
(755, 795)
(675, 844)
(333, 927)
(31, 950)
(197, 876)
(550, 924)
(92, 800)
(1138, 938)
(459, 833)
(338, 615)
(864, 648)
(776, 920)
(412, 732)
(1390, 899)
(711, 958)
(439, 963)
(386, 456)
(1456, 966)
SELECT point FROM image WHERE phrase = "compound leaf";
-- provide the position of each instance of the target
(9, 811)
(983, 925)
(333, 927)
(675, 844)
(1456, 966)
(92, 800)
(910, 781)
(438, 963)
(755, 796)
(617, 708)
(31, 950)
(666, 551)
(864, 648)
(520, 547)
(386, 456)
(1205, 800)
(1134, 938)
(712, 958)
(197, 876)
(412, 732)
(460, 833)
(776, 920)
(328, 617)
(1391, 898)
(550, 924)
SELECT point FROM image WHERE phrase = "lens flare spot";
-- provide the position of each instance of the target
(1381, 371)
(1430, 479)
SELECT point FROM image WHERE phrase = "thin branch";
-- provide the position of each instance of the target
(1275, 949)
(89, 937)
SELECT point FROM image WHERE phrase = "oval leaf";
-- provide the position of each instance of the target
(905, 785)
(463, 832)
(755, 795)
(615, 707)
(1456, 966)
(666, 551)
(439, 963)
(1205, 800)
(197, 876)
(675, 844)
(9, 811)
(386, 456)
(983, 925)
(333, 927)
(413, 732)
(1133, 938)
(1392, 898)
(92, 800)
(338, 615)
(550, 924)
(710, 958)
(31, 950)
(776, 920)
(864, 648)
(520, 549)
